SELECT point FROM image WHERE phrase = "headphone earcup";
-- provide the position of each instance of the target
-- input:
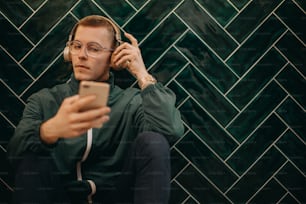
(66, 54)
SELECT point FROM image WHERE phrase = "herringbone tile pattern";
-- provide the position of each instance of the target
(238, 69)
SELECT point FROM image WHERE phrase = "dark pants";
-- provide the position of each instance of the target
(145, 177)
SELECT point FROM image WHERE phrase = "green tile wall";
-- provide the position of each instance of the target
(237, 67)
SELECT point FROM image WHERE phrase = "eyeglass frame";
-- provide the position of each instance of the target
(100, 47)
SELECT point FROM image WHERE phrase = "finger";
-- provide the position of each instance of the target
(87, 124)
(71, 99)
(124, 60)
(92, 114)
(133, 40)
(82, 102)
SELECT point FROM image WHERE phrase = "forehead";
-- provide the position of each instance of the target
(93, 34)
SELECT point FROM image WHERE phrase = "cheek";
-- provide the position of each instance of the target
(103, 62)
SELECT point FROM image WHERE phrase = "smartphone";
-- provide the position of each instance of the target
(100, 89)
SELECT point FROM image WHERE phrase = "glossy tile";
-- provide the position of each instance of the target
(177, 194)
(294, 117)
(202, 57)
(181, 95)
(12, 40)
(190, 200)
(294, 50)
(49, 48)
(119, 10)
(56, 74)
(221, 10)
(206, 28)
(293, 180)
(272, 192)
(209, 131)
(260, 140)
(301, 4)
(256, 176)
(256, 112)
(34, 3)
(85, 8)
(138, 3)
(168, 66)
(161, 39)
(199, 187)
(239, 3)
(124, 79)
(294, 17)
(256, 79)
(213, 168)
(206, 95)
(7, 130)
(256, 45)
(251, 17)
(294, 148)
(10, 8)
(44, 19)
(6, 176)
(294, 83)
(178, 162)
(12, 74)
(288, 199)
(149, 17)
(10, 106)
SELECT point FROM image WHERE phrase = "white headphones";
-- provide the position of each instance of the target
(66, 51)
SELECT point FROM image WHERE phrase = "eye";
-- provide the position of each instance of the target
(76, 46)
(93, 49)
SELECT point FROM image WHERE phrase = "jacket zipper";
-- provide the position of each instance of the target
(79, 166)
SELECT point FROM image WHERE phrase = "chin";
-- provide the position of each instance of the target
(82, 77)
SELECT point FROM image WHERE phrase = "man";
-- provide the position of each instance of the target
(59, 155)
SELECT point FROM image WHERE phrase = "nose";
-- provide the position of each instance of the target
(83, 52)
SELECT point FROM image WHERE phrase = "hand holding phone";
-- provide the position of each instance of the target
(100, 89)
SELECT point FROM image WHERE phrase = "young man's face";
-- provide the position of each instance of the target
(90, 68)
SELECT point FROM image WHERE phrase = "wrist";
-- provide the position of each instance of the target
(47, 134)
(145, 81)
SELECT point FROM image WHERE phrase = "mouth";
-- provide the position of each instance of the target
(80, 66)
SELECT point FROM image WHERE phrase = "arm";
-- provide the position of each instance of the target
(44, 122)
(157, 111)
(26, 136)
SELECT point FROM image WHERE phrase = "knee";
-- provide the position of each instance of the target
(153, 144)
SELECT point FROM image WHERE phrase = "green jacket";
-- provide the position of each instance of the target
(133, 111)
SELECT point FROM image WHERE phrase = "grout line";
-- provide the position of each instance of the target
(6, 185)
(24, 2)
(288, 28)
(12, 91)
(265, 183)
(19, 64)
(289, 160)
(298, 6)
(253, 31)
(288, 192)
(210, 49)
(214, 19)
(239, 12)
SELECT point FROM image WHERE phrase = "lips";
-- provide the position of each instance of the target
(80, 66)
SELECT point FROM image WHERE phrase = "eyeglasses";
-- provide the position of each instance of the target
(92, 49)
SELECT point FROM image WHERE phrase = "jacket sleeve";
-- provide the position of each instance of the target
(26, 136)
(158, 112)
